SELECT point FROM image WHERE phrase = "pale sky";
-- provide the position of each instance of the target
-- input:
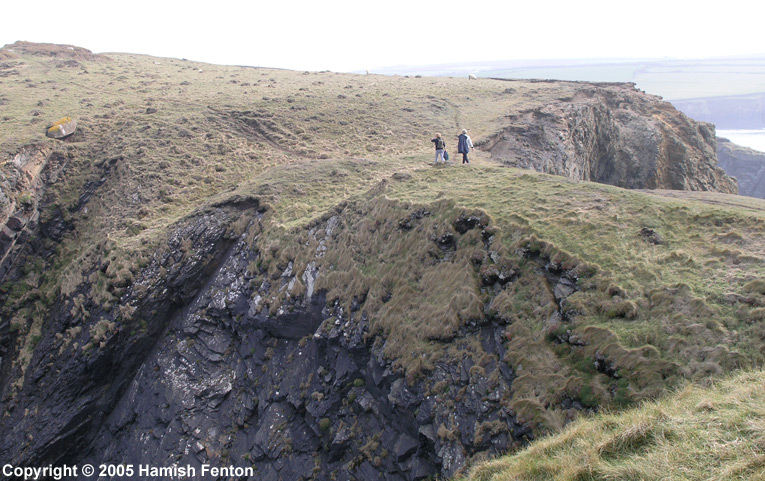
(344, 35)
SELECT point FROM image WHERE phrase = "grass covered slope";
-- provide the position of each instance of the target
(650, 310)
(715, 432)
(162, 136)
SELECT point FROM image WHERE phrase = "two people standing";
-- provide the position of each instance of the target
(463, 147)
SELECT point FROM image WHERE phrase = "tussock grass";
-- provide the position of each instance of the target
(696, 433)
(648, 323)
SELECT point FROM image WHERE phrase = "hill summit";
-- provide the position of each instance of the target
(263, 269)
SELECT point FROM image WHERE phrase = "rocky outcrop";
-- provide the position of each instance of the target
(55, 51)
(89, 355)
(193, 368)
(745, 164)
(614, 134)
(23, 182)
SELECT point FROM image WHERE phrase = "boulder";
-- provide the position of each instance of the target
(405, 446)
(62, 128)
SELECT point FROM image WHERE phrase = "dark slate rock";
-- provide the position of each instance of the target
(340, 442)
(405, 446)
(464, 223)
(400, 396)
(15, 223)
(429, 432)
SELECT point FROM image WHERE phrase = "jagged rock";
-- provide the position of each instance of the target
(464, 223)
(268, 438)
(340, 442)
(447, 242)
(400, 396)
(16, 223)
(489, 274)
(405, 446)
(368, 403)
(429, 431)
(564, 288)
(417, 468)
(309, 279)
(452, 458)
(605, 366)
(7, 234)
(407, 223)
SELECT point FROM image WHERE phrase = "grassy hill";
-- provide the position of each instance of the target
(607, 297)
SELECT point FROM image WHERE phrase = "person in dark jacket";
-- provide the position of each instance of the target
(464, 146)
(440, 148)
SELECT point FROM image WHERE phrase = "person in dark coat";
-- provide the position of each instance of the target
(464, 146)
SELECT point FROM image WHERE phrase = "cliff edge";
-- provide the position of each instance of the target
(745, 164)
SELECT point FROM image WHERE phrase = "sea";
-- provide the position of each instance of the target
(754, 139)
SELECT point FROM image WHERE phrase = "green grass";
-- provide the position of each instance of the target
(696, 433)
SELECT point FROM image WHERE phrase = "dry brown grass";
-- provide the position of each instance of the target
(697, 433)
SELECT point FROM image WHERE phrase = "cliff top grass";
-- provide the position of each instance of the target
(697, 433)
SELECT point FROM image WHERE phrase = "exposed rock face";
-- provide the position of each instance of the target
(306, 393)
(23, 181)
(615, 135)
(745, 164)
